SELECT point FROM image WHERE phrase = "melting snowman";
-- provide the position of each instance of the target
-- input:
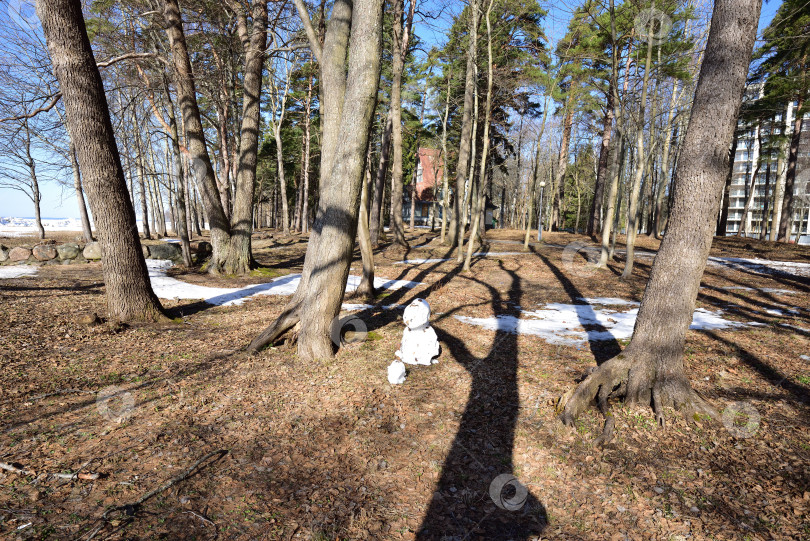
(420, 345)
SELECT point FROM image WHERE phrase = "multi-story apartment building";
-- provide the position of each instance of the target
(763, 208)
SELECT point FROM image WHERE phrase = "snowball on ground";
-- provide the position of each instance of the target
(396, 373)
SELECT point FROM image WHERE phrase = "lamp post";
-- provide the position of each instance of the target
(540, 213)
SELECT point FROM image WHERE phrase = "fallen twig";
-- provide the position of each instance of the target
(72, 476)
(131, 507)
(209, 521)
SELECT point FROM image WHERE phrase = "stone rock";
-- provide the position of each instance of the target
(69, 250)
(396, 373)
(3, 253)
(420, 345)
(167, 250)
(90, 320)
(201, 247)
(20, 253)
(45, 252)
(47, 241)
(92, 251)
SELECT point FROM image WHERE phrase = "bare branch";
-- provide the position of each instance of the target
(127, 56)
(44, 109)
(314, 44)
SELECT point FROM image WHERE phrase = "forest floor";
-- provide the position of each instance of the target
(330, 450)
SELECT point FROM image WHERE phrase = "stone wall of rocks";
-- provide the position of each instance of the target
(48, 252)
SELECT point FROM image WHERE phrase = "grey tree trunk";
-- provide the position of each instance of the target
(349, 98)
(786, 222)
(468, 186)
(366, 287)
(445, 183)
(535, 179)
(595, 218)
(136, 129)
(129, 292)
(477, 215)
(400, 49)
(651, 370)
(456, 227)
(306, 159)
(195, 136)
(375, 220)
(239, 259)
(180, 179)
(87, 232)
(743, 230)
(781, 177)
(558, 189)
(641, 163)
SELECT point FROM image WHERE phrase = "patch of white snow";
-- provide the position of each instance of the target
(15, 271)
(167, 287)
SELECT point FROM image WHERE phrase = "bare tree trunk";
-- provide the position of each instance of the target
(781, 175)
(400, 49)
(195, 136)
(558, 189)
(786, 222)
(153, 211)
(239, 258)
(535, 178)
(641, 163)
(179, 217)
(36, 197)
(306, 159)
(650, 370)
(468, 187)
(456, 227)
(375, 220)
(595, 217)
(87, 232)
(722, 222)
(366, 287)
(445, 181)
(763, 228)
(477, 215)
(136, 129)
(316, 302)
(743, 230)
(224, 178)
(129, 292)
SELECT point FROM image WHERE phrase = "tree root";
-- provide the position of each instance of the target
(288, 319)
(622, 377)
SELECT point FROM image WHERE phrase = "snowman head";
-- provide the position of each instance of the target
(417, 314)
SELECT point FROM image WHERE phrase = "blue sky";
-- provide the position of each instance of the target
(58, 202)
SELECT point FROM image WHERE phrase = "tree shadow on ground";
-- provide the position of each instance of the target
(602, 350)
(477, 495)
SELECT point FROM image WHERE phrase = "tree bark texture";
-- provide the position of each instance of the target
(195, 136)
(316, 302)
(456, 227)
(129, 291)
(786, 222)
(651, 367)
(87, 231)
